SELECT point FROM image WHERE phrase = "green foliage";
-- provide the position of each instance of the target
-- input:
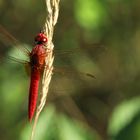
(90, 14)
(125, 115)
(55, 126)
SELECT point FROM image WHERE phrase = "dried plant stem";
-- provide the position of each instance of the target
(53, 11)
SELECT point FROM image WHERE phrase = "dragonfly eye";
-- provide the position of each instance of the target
(41, 38)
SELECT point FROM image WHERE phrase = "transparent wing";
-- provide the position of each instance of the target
(8, 39)
(73, 73)
(17, 60)
(70, 82)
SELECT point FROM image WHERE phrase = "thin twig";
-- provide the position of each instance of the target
(51, 20)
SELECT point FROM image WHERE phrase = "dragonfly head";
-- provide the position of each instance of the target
(41, 38)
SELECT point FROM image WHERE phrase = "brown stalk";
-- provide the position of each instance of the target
(51, 20)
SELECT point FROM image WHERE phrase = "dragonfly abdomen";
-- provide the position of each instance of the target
(33, 92)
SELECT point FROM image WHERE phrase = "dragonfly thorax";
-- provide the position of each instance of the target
(37, 57)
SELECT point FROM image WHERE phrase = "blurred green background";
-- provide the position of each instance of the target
(78, 107)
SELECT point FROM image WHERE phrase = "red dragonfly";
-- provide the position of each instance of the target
(36, 64)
